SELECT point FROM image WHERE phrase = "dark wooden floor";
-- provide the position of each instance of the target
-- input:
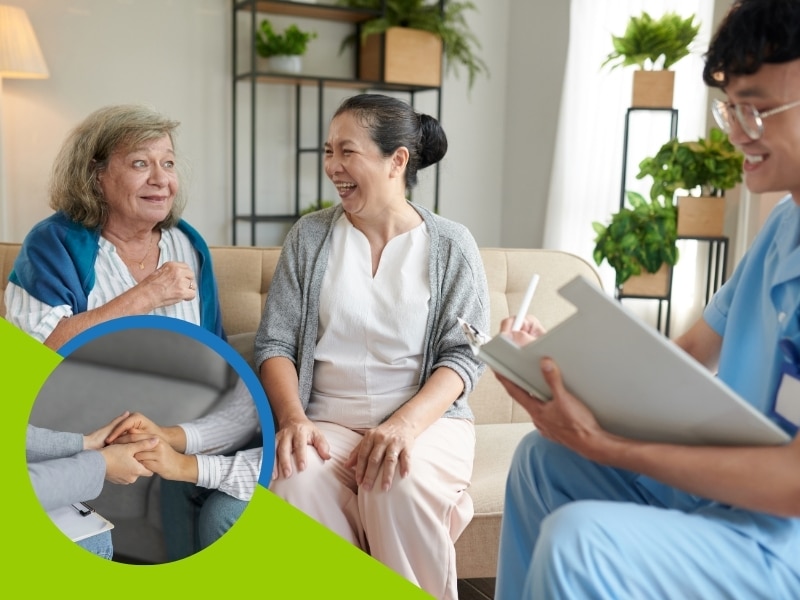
(475, 589)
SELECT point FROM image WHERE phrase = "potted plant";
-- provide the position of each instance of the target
(653, 45)
(702, 170)
(283, 50)
(316, 206)
(406, 43)
(639, 240)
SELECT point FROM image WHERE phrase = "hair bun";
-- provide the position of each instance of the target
(433, 141)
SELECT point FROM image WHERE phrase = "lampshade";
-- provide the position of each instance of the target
(20, 55)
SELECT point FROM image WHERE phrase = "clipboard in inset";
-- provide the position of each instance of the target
(77, 526)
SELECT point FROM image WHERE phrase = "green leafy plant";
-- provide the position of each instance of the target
(459, 42)
(639, 238)
(291, 41)
(646, 40)
(710, 165)
(315, 207)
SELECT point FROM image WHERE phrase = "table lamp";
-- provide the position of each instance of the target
(20, 57)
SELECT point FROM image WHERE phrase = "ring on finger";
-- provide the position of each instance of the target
(191, 284)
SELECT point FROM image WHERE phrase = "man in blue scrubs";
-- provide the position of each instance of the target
(590, 514)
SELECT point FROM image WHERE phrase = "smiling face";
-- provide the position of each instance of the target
(139, 184)
(366, 180)
(772, 163)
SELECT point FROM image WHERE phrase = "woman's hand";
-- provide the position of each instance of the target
(291, 441)
(171, 283)
(133, 423)
(564, 418)
(137, 423)
(163, 460)
(384, 449)
(97, 439)
(122, 467)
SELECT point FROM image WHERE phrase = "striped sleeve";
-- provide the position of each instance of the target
(228, 427)
(31, 315)
(235, 475)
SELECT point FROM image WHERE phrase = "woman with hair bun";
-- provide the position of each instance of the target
(361, 354)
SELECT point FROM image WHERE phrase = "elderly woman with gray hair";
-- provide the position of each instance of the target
(116, 245)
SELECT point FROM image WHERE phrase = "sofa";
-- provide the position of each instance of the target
(244, 275)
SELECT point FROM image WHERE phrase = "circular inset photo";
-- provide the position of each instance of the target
(145, 445)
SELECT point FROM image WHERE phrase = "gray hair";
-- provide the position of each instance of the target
(87, 150)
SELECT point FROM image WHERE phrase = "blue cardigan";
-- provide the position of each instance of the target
(56, 266)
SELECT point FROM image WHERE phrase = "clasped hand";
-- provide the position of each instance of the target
(162, 457)
(122, 464)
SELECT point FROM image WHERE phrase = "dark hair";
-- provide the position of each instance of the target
(754, 32)
(392, 124)
(86, 152)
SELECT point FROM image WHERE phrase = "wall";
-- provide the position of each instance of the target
(176, 56)
(537, 56)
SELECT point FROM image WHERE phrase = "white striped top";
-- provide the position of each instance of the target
(112, 278)
(232, 424)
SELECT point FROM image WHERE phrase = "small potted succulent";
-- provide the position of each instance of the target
(283, 50)
(699, 171)
(653, 45)
(639, 240)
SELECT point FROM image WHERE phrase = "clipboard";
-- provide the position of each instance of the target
(636, 382)
(78, 524)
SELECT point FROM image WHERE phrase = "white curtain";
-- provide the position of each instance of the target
(586, 181)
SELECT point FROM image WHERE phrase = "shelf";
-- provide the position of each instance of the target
(265, 218)
(326, 12)
(334, 82)
(308, 91)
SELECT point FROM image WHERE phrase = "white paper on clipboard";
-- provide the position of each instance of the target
(76, 526)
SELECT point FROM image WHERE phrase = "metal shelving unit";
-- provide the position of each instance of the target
(246, 82)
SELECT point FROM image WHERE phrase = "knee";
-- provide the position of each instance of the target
(300, 485)
(219, 513)
(568, 546)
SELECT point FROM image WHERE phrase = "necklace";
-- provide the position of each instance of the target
(144, 258)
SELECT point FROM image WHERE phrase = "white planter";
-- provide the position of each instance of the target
(286, 63)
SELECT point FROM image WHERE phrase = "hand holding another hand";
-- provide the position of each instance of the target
(97, 439)
(163, 460)
(132, 423)
(122, 465)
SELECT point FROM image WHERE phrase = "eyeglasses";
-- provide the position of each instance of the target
(747, 116)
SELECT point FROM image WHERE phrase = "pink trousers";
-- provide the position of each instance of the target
(412, 527)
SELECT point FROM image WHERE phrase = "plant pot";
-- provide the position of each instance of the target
(701, 216)
(285, 63)
(649, 285)
(402, 55)
(653, 89)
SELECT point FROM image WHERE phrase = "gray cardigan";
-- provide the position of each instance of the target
(61, 471)
(458, 289)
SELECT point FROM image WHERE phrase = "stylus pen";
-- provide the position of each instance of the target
(526, 302)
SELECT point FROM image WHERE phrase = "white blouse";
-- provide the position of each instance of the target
(371, 329)
(112, 278)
